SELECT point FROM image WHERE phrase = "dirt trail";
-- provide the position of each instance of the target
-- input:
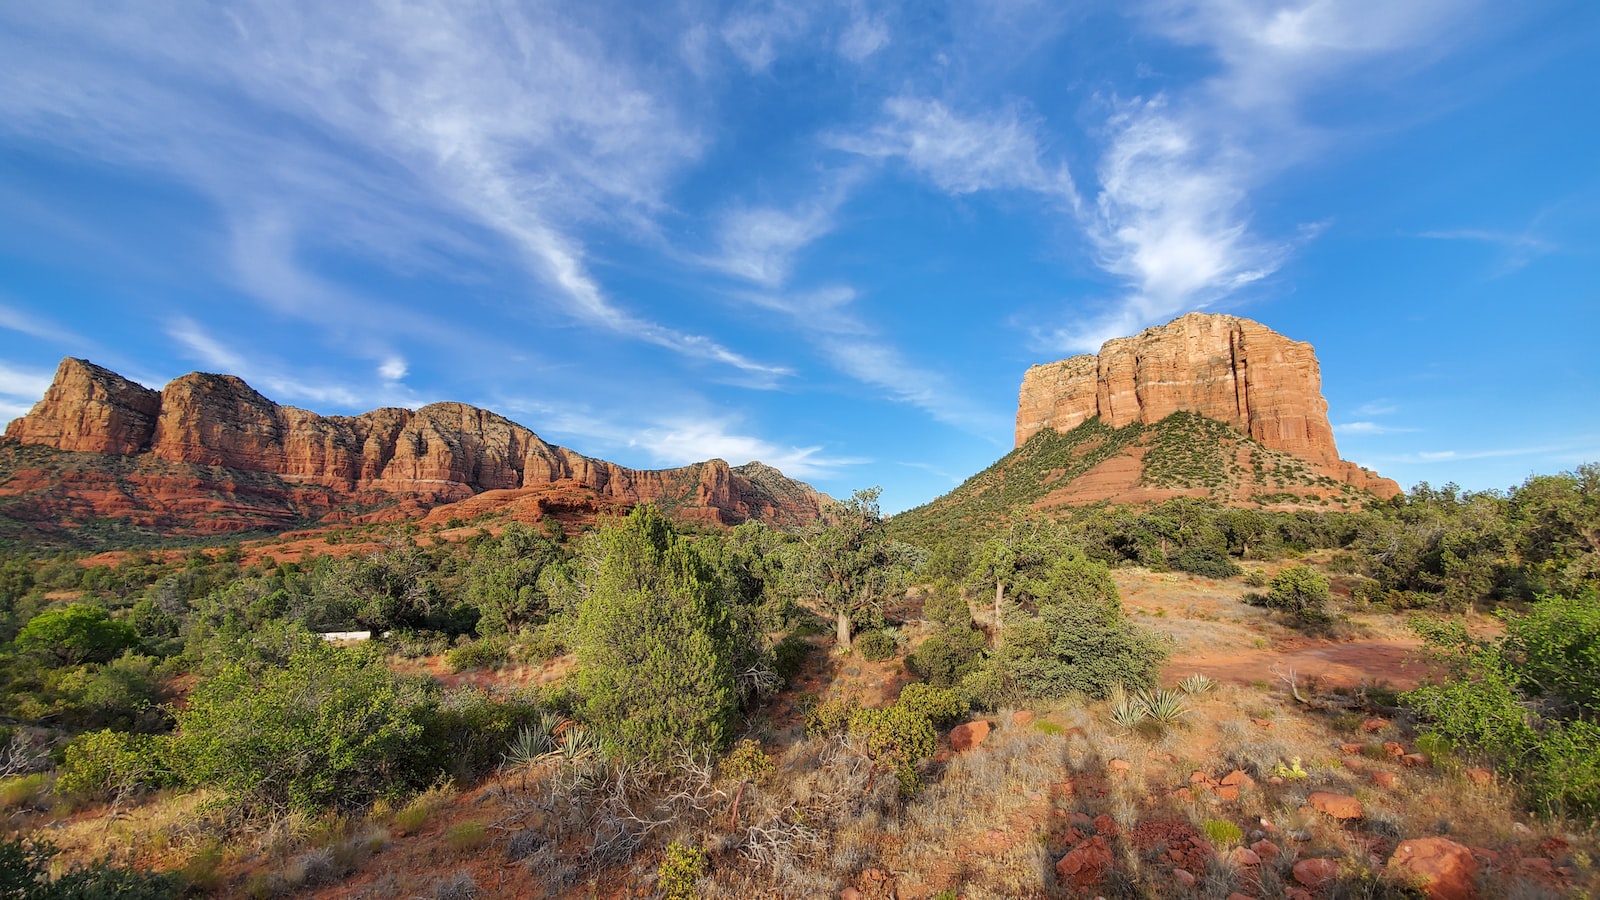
(1387, 661)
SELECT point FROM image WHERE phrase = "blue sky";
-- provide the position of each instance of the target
(830, 236)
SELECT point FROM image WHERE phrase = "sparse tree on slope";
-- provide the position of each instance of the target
(846, 566)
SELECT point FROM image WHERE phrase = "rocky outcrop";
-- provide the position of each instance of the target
(441, 453)
(92, 410)
(1221, 367)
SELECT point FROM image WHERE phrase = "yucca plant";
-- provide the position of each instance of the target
(532, 743)
(1164, 707)
(1127, 711)
(1197, 684)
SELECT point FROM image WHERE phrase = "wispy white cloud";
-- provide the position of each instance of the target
(758, 32)
(1585, 445)
(1381, 407)
(883, 366)
(15, 320)
(1519, 248)
(407, 129)
(392, 369)
(865, 35)
(1368, 428)
(270, 377)
(29, 384)
(676, 440)
(20, 389)
(759, 244)
(961, 154)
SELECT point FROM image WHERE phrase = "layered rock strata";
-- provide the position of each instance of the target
(1222, 367)
(441, 453)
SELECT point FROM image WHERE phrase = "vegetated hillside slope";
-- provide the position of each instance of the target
(209, 454)
(1183, 455)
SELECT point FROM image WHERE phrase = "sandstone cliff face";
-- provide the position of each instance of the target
(441, 453)
(1222, 367)
(90, 409)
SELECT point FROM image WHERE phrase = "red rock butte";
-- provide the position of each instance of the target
(441, 453)
(1225, 368)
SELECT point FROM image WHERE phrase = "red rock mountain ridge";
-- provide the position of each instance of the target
(1222, 367)
(441, 453)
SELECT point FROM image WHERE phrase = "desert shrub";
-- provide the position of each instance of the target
(124, 693)
(876, 645)
(1079, 642)
(830, 716)
(1555, 650)
(1197, 684)
(945, 658)
(944, 605)
(1300, 591)
(540, 644)
(18, 791)
(25, 874)
(941, 706)
(1203, 561)
(330, 727)
(469, 731)
(1489, 704)
(681, 868)
(656, 641)
(897, 738)
(1256, 578)
(747, 762)
(102, 765)
(75, 634)
(485, 653)
(789, 656)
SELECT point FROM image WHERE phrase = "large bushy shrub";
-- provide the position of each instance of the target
(948, 656)
(655, 641)
(25, 874)
(1515, 700)
(1300, 591)
(1203, 561)
(877, 645)
(330, 727)
(941, 706)
(103, 765)
(1078, 641)
(76, 634)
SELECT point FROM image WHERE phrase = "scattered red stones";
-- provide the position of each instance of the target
(1186, 849)
(1444, 869)
(1022, 717)
(1339, 806)
(1394, 749)
(965, 737)
(1266, 850)
(1373, 725)
(1085, 865)
(1314, 873)
(1183, 877)
(1350, 748)
(1385, 780)
(1104, 824)
(1243, 856)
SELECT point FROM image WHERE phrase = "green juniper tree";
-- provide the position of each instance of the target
(656, 641)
